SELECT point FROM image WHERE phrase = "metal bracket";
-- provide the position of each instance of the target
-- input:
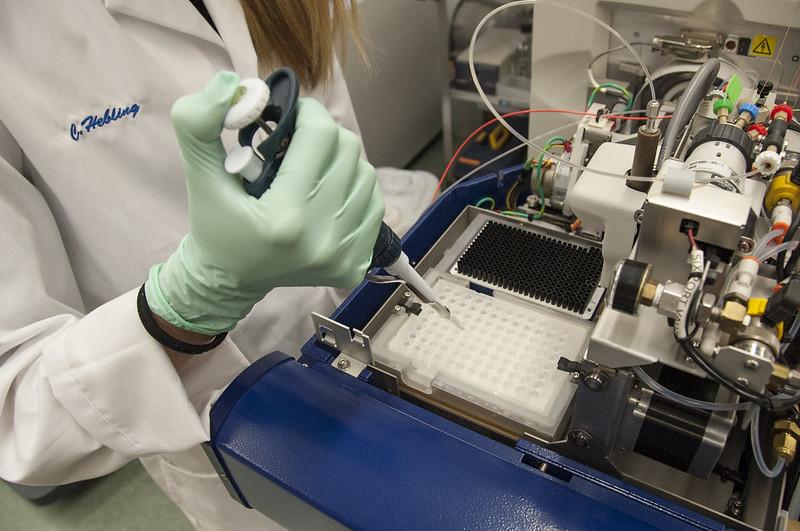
(749, 371)
(351, 342)
(349, 365)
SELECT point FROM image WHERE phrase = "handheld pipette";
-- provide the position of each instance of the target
(271, 105)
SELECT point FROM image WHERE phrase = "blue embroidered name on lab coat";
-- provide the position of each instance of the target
(94, 121)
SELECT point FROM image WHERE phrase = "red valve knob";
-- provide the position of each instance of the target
(762, 131)
(782, 108)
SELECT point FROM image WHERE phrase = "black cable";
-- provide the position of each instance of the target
(687, 345)
(697, 357)
(785, 268)
(771, 404)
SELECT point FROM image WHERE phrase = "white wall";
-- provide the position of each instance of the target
(398, 105)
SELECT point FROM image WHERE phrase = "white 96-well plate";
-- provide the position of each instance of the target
(503, 359)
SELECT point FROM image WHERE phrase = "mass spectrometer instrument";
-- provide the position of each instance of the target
(629, 348)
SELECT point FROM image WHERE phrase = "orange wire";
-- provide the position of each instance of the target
(517, 113)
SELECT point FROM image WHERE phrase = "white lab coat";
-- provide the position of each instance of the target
(82, 218)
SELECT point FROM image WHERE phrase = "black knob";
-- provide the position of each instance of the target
(763, 88)
(629, 280)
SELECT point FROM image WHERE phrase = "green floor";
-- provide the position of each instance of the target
(127, 500)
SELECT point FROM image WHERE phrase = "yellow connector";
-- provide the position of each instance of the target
(782, 187)
(498, 137)
(756, 306)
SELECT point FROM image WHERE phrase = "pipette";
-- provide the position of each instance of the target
(271, 105)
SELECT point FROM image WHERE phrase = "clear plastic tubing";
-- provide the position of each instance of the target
(763, 243)
(683, 399)
(755, 442)
(773, 251)
(523, 138)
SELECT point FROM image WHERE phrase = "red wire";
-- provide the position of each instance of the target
(517, 113)
(690, 233)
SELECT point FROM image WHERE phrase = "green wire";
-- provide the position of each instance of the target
(628, 96)
(515, 214)
(539, 184)
(483, 200)
(539, 181)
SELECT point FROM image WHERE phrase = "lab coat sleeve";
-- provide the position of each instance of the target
(82, 395)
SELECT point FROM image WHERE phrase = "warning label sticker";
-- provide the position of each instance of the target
(762, 46)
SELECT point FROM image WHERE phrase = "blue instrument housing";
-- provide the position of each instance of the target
(314, 447)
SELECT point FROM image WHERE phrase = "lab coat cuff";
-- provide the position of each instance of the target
(120, 386)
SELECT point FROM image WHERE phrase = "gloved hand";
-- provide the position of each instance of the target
(315, 226)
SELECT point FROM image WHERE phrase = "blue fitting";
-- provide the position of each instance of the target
(749, 108)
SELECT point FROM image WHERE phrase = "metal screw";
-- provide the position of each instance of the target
(596, 380)
(688, 359)
(735, 507)
(398, 309)
(575, 376)
(638, 216)
(343, 364)
(745, 245)
(407, 294)
(751, 364)
(581, 438)
(741, 380)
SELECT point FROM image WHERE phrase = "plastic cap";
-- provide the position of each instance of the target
(762, 131)
(749, 108)
(252, 98)
(767, 162)
(244, 161)
(782, 108)
(723, 103)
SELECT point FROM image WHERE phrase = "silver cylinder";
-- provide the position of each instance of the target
(719, 159)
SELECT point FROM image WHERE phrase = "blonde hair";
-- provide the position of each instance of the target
(302, 34)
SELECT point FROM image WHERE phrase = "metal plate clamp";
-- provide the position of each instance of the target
(353, 345)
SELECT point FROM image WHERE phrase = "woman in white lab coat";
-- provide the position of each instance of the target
(88, 204)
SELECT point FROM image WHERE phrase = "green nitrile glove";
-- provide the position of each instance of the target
(315, 226)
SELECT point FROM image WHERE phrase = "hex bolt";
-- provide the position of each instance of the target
(580, 438)
(343, 364)
(735, 507)
(596, 380)
(741, 380)
(751, 364)
(745, 245)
